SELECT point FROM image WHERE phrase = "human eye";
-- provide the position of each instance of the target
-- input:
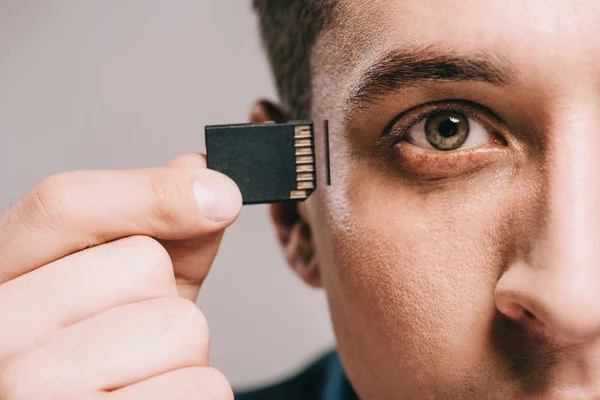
(448, 130)
(447, 126)
(446, 137)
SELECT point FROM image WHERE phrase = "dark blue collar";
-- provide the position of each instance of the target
(324, 379)
(336, 385)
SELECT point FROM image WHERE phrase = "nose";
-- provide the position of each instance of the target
(554, 287)
(562, 306)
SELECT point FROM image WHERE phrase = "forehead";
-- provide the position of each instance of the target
(536, 36)
(461, 20)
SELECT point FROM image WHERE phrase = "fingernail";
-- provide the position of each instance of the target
(218, 197)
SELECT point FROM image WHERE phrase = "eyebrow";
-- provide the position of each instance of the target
(410, 67)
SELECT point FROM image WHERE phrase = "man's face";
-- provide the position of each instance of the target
(459, 243)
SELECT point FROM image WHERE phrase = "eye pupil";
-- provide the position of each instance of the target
(447, 130)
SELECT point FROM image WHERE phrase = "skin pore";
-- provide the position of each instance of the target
(467, 272)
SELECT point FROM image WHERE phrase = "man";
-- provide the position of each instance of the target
(458, 246)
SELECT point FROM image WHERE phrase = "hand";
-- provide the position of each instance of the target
(98, 273)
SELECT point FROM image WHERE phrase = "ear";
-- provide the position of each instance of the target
(289, 218)
(294, 233)
(265, 111)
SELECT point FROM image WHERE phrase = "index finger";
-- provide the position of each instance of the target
(68, 212)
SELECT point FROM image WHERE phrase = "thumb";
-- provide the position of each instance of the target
(192, 258)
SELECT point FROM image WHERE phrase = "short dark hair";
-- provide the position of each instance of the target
(289, 30)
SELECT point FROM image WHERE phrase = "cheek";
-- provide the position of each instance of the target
(411, 272)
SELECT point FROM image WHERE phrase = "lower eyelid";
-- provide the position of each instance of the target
(435, 164)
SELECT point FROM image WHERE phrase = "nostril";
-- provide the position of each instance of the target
(535, 326)
(524, 316)
(527, 314)
(511, 309)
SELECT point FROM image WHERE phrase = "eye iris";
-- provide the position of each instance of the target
(447, 130)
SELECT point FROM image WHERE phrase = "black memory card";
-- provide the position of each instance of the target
(269, 162)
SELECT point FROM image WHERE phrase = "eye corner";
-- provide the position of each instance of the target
(498, 140)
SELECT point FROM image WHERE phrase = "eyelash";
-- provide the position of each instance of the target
(490, 121)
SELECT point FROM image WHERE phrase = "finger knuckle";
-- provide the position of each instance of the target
(190, 318)
(153, 264)
(187, 324)
(170, 189)
(198, 383)
(5, 218)
(20, 381)
(48, 200)
(151, 251)
(216, 385)
(210, 382)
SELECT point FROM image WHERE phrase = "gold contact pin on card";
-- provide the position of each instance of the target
(305, 162)
(306, 185)
(298, 194)
(302, 132)
(304, 151)
(303, 142)
(305, 177)
(305, 168)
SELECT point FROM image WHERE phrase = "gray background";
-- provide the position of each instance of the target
(131, 83)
